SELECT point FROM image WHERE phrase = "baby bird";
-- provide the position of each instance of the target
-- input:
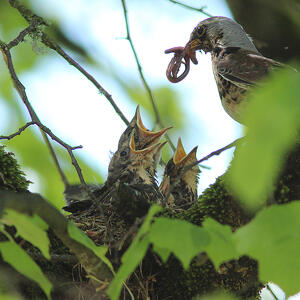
(179, 184)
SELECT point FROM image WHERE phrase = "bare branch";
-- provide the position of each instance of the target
(29, 16)
(201, 9)
(217, 152)
(35, 120)
(20, 38)
(146, 85)
(21, 129)
(214, 153)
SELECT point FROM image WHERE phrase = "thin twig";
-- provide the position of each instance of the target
(21, 129)
(56, 162)
(21, 91)
(190, 166)
(45, 130)
(217, 152)
(46, 40)
(146, 85)
(201, 9)
(271, 291)
(20, 38)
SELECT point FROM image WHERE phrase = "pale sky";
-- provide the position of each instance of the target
(84, 115)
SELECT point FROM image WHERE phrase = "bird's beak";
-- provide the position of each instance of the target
(151, 136)
(191, 157)
(134, 119)
(180, 155)
(151, 149)
(194, 44)
(191, 47)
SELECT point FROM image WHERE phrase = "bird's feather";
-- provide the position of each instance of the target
(243, 67)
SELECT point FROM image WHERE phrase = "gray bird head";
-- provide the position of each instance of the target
(219, 32)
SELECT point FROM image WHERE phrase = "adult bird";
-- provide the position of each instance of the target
(237, 64)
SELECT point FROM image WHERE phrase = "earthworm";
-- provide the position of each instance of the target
(182, 55)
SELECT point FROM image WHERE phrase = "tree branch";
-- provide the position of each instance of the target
(35, 120)
(20, 38)
(190, 166)
(21, 129)
(217, 152)
(28, 15)
(201, 9)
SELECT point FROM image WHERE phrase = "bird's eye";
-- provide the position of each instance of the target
(200, 31)
(123, 153)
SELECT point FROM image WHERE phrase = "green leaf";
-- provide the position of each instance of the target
(78, 235)
(184, 239)
(23, 263)
(162, 252)
(32, 229)
(272, 118)
(272, 238)
(9, 297)
(134, 254)
(154, 209)
(222, 245)
(133, 257)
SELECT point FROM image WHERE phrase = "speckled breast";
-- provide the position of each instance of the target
(232, 96)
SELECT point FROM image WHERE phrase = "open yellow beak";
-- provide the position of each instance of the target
(180, 155)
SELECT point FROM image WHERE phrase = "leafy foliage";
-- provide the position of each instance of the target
(273, 122)
(80, 237)
(32, 229)
(164, 234)
(133, 255)
(221, 247)
(23, 263)
(273, 239)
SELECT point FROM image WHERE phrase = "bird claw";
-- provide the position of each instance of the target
(182, 56)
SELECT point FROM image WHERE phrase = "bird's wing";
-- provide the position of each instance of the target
(244, 68)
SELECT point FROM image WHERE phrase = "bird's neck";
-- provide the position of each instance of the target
(235, 38)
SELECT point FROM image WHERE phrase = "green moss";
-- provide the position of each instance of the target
(218, 203)
(11, 177)
(287, 186)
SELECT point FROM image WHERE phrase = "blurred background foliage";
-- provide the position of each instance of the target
(30, 57)
(29, 147)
